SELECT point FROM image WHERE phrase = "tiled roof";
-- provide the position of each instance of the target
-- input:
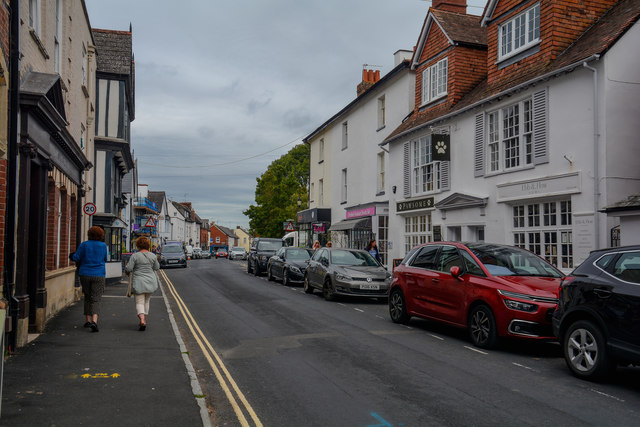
(157, 197)
(630, 203)
(115, 52)
(460, 27)
(601, 36)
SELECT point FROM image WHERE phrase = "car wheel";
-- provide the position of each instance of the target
(482, 327)
(285, 278)
(398, 307)
(256, 269)
(327, 291)
(585, 351)
(308, 289)
(269, 275)
(249, 267)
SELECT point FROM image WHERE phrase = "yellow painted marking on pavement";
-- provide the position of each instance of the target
(216, 367)
(100, 375)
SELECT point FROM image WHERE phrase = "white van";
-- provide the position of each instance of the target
(188, 250)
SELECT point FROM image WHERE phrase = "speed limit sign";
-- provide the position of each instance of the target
(89, 208)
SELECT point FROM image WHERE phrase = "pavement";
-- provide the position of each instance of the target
(69, 375)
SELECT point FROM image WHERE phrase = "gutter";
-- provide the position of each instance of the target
(517, 88)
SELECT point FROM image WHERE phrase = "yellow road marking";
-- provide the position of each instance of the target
(208, 352)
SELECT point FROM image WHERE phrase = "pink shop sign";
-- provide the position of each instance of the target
(361, 212)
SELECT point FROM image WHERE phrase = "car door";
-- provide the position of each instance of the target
(276, 263)
(312, 271)
(622, 301)
(445, 292)
(419, 275)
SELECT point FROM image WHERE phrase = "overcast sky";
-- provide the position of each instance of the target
(223, 88)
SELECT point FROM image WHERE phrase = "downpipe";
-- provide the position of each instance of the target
(596, 160)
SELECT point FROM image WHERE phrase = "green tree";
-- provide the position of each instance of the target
(277, 192)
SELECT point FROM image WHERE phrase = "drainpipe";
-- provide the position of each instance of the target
(12, 171)
(596, 146)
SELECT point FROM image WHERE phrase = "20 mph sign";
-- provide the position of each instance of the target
(89, 208)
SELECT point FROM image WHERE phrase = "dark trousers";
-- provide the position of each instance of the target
(92, 288)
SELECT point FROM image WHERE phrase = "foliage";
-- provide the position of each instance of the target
(277, 193)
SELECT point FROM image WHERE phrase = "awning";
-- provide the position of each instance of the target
(352, 224)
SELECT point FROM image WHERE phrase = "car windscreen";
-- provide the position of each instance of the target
(354, 258)
(270, 245)
(298, 254)
(172, 249)
(238, 249)
(512, 261)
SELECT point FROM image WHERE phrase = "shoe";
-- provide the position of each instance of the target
(87, 325)
(94, 327)
(142, 327)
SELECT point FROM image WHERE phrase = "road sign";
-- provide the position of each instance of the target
(89, 208)
(289, 227)
(150, 222)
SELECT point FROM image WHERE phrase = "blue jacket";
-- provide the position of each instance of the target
(91, 257)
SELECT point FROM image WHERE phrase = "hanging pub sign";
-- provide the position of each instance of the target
(441, 147)
(319, 227)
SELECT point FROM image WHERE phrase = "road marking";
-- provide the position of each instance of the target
(101, 375)
(437, 337)
(524, 366)
(474, 349)
(380, 317)
(227, 383)
(357, 309)
(383, 422)
(606, 395)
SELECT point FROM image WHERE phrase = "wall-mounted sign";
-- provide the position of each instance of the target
(412, 205)
(89, 209)
(440, 147)
(358, 213)
(319, 227)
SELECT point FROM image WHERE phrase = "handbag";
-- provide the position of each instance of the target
(129, 288)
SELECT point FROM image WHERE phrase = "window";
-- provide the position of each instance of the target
(519, 33)
(383, 237)
(57, 40)
(449, 257)
(426, 258)
(321, 148)
(417, 230)
(627, 267)
(217, 239)
(510, 137)
(380, 180)
(426, 173)
(381, 112)
(82, 136)
(344, 185)
(547, 232)
(34, 16)
(345, 136)
(434, 81)
(321, 192)
(84, 66)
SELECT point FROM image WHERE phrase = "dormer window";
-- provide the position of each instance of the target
(434, 81)
(519, 33)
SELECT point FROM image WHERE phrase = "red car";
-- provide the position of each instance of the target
(493, 290)
(221, 253)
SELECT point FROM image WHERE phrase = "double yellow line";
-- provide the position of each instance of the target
(229, 386)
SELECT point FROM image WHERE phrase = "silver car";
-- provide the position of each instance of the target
(237, 252)
(351, 272)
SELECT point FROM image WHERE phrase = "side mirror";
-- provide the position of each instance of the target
(455, 272)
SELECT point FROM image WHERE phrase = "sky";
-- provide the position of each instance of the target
(224, 88)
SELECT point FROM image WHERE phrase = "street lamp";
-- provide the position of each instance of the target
(299, 202)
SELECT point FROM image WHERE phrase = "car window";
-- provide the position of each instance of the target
(605, 261)
(470, 265)
(172, 249)
(324, 256)
(426, 257)
(627, 267)
(280, 253)
(298, 254)
(316, 256)
(449, 257)
(269, 245)
(502, 260)
(355, 258)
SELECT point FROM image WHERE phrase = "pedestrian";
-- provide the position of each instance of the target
(372, 248)
(90, 258)
(329, 244)
(316, 245)
(144, 282)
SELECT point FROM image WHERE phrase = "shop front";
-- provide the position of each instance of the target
(313, 225)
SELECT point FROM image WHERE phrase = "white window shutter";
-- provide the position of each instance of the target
(540, 126)
(478, 163)
(407, 169)
(445, 176)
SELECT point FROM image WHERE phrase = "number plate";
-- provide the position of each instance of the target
(173, 261)
(370, 287)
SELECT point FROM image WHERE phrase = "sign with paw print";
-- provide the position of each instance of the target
(441, 147)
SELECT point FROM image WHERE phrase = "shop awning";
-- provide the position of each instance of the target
(352, 224)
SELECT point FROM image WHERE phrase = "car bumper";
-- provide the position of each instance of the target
(167, 264)
(359, 288)
(533, 326)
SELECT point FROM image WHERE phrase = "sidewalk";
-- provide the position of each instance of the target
(118, 376)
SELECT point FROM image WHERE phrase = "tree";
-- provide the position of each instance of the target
(277, 192)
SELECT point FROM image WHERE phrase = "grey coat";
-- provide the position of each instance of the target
(144, 266)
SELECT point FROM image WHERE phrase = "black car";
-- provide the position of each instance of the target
(288, 265)
(261, 250)
(598, 317)
(173, 256)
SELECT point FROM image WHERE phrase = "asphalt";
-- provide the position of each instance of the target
(70, 376)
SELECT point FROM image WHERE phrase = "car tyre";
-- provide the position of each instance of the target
(269, 275)
(308, 289)
(248, 267)
(398, 307)
(585, 351)
(256, 269)
(285, 277)
(327, 291)
(482, 327)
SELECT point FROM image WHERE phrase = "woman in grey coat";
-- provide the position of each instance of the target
(143, 266)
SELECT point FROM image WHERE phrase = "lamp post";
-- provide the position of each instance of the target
(299, 202)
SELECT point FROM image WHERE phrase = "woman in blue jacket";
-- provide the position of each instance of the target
(90, 258)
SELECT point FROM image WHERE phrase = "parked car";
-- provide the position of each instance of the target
(172, 256)
(492, 290)
(221, 253)
(346, 272)
(197, 253)
(289, 265)
(188, 250)
(237, 252)
(262, 248)
(205, 254)
(598, 316)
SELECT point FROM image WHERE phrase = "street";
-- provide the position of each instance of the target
(271, 355)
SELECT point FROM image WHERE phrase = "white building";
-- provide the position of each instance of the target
(177, 221)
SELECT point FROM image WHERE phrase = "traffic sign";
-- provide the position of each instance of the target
(289, 227)
(89, 208)
(150, 222)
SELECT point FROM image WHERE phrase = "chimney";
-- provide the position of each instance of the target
(458, 6)
(369, 78)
